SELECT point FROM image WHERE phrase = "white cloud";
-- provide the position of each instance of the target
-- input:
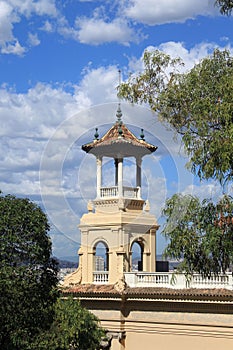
(11, 12)
(47, 27)
(29, 120)
(28, 7)
(119, 26)
(97, 31)
(102, 79)
(153, 12)
(13, 48)
(190, 57)
(33, 39)
(7, 18)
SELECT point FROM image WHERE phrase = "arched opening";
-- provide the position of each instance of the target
(101, 257)
(137, 256)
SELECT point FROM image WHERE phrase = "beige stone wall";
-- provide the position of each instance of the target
(169, 330)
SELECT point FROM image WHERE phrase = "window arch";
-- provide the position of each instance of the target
(101, 256)
(137, 249)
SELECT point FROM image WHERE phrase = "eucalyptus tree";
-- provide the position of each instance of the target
(197, 104)
(225, 6)
(199, 233)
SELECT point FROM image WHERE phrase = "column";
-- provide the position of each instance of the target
(120, 177)
(138, 176)
(116, 172)
(98, 176)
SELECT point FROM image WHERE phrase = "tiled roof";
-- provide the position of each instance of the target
(89, 290)
(113, 137)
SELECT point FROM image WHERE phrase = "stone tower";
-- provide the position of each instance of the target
(118, 217)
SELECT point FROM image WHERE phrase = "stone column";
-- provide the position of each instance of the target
(120, 177)
(98, 176)
(138, 176)
(116, 172)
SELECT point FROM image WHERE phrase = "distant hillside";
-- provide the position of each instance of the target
(67, 262)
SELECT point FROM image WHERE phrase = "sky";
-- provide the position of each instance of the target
(59, 63)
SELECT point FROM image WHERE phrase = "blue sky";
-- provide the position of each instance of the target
(59, 64)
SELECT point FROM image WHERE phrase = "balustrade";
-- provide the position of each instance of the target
(100, 277)
(128, 192)
(177, 281)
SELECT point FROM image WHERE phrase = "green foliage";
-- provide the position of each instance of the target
(197, 104)
(28, 275)
(199, 233)
(147, 86)
(225, 6)
(74, 327)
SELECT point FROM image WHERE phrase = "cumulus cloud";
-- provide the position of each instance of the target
(7, 18)
(190, 57)
(47, 27)
(11, 13)
(104, 79)
(153, 12)
(47, 125)
(121, 25)
(96, 31)
(40, 7)
(33, 39)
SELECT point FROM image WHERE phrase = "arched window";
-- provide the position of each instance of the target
(137, 256)
(101, 257)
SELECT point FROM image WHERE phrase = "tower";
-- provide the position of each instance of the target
(118, 217)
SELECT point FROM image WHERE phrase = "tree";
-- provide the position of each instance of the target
(200, 233)
(197, 104)
(28, 274)
(225, 6)
(73, 328)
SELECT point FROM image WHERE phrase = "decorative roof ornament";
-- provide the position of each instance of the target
(96, 135)
(119, 113)
(120, 131)
(142, 135)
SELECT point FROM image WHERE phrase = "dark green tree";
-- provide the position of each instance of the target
(74, 327)
(225, 6)
(197, 104)
(28, 274)
(200, 234)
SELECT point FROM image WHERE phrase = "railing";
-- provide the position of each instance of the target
(177, 281)
(100, 277)
(109, 192)
(128, 192)
(222, 280)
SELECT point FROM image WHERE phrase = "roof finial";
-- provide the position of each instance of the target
(142, 135)
(119, 72)
(119, 113)
(96, 135)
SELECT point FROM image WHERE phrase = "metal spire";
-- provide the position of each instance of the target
(119, 113)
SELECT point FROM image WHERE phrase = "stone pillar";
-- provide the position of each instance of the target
(120, 177)
(152, 256)
(138, 176)
(98, 176)
(116, 172)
